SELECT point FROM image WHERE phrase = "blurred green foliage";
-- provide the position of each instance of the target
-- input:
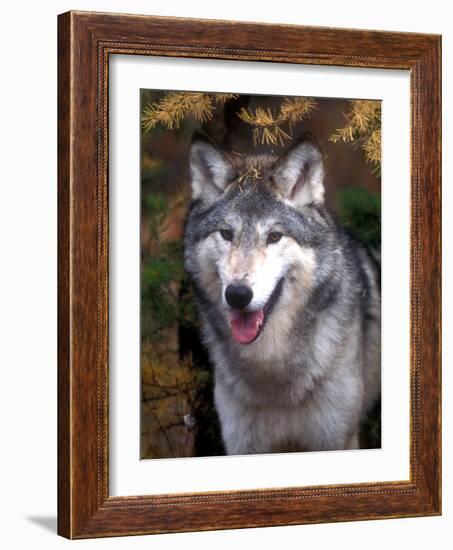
(360, 211)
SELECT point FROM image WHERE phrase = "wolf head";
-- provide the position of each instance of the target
(256, 226)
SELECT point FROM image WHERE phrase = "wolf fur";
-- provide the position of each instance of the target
(309, 378)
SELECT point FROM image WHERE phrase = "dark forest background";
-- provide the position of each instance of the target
(178, 418)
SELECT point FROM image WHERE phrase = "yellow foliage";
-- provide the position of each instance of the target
(222, 98)
(170, 391)
(372, 147)
(178, 377)
(268, 126)
(149, 163)
(175, 106)
(294, 110)
(252, 172)
(363, 125)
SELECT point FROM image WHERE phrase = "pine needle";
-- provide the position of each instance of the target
(294, 110)
(174, 107)
(372, 147)
(223, 98)
(363, 125)
(252, 172)
(268, 126)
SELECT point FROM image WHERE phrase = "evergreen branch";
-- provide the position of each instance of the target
(223, 98)
(268, 126)
(294, 110)
(363, 125)
(174, 107)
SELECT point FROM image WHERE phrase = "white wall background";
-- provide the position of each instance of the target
(28, 122)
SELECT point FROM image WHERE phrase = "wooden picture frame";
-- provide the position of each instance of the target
(85, 42)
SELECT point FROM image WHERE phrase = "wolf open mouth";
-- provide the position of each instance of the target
(246, 326)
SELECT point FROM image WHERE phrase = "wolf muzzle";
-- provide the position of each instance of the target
(238, 296)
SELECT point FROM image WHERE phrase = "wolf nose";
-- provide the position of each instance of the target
(238, 296)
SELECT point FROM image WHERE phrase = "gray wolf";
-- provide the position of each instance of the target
(289, 302)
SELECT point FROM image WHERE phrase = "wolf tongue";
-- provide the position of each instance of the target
(245, 325)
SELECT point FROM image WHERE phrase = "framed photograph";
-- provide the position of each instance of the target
(249, 275)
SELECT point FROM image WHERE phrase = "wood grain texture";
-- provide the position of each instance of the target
(86, 40)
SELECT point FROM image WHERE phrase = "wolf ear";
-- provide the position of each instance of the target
(299, 174)
(210, 169)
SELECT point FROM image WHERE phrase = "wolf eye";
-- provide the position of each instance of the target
(274, 237)
(227, 234)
